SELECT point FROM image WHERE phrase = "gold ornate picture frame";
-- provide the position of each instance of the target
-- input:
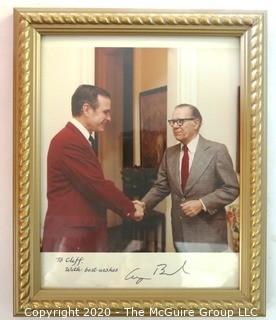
(30, 26)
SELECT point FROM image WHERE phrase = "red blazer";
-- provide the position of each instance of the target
(78, 194)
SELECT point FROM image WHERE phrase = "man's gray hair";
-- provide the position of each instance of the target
(195, 112)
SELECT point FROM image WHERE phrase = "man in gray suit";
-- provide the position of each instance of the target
(199, 175)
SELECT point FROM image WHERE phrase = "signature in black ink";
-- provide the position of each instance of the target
(160, 270)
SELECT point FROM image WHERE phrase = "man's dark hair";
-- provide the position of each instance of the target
(86, 93)
(195, 112)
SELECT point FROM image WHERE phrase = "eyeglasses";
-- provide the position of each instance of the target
(179, 122)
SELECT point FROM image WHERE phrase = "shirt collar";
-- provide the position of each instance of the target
(192, 144)
(81, 128)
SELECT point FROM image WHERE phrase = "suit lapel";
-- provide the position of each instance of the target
(173, 165)
(81, 138)
(201, 161)
(71, 127)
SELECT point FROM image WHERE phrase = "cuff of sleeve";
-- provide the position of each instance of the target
(203, 205)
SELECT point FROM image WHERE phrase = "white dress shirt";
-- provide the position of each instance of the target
(82, 129)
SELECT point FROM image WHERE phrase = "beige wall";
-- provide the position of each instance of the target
(153, 67)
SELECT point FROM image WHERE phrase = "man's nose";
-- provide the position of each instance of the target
(175, 125)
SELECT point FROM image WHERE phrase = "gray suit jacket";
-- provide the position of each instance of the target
(211, 179)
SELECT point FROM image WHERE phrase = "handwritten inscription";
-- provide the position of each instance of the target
(77, 264)
(162, 269)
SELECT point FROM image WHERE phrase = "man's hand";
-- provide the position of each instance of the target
(139, 207)
(191, 208)
(139, 203)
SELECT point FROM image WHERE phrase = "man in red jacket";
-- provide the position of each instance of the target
(78, 194)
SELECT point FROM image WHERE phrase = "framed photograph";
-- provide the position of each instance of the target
(149, 67)
(153, 116)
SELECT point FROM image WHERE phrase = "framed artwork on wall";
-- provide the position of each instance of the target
(153, 115)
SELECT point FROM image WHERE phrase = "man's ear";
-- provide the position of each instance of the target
(85, 108)
(197, 124)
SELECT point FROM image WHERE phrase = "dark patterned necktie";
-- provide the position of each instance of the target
(184, 167)
(92, 142)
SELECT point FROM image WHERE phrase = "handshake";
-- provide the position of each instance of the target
(139, 210)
